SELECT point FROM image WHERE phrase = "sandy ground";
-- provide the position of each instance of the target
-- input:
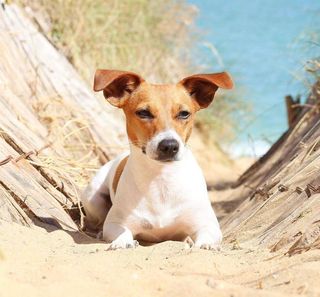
(46, 262)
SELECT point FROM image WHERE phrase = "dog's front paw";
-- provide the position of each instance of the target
(208, 239)
(202, 245)
(122, 244)
(208, 246)
(119, 236)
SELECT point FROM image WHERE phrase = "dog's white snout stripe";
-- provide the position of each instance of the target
(153, 144)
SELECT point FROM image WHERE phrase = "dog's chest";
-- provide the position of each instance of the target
(164, 209)
(159, 218)
(161, 202)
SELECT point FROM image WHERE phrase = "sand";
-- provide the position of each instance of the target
(42, 261)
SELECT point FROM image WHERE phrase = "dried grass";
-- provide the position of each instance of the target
(77, 156)
(153, 38)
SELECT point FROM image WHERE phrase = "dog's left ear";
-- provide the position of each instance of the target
(116, 85)
(202, 87)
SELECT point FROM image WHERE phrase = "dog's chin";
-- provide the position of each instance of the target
(166, 161)
(163, 160)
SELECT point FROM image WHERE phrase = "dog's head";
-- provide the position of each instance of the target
(159, 117)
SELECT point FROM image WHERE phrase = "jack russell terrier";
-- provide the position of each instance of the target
(157, 191)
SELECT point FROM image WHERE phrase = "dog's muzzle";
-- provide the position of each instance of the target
(167, 150)
(166, 146)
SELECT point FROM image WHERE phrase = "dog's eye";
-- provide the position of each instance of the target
(144, 114)
(183, 114)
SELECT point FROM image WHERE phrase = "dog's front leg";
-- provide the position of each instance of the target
(120, 237)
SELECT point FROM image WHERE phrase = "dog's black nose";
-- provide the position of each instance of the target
(167, 149)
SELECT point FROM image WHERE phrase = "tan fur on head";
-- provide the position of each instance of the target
(164, 106)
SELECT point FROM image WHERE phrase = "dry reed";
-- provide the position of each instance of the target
(153, 38)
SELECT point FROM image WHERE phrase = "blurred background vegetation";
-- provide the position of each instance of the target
(152, 38)
(313, 66)
(157, 39)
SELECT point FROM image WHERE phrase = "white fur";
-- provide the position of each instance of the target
(154, 201)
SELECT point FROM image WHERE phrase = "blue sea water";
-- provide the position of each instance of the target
(264, 45)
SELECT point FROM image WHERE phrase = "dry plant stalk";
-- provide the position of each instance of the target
(153, 38)
(76, 155)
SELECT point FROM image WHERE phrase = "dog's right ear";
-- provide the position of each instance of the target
(116, 85)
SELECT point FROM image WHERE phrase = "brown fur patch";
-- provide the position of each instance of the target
(107, 199)
(118, 173)
(164, 102)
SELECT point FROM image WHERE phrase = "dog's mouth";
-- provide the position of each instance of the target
(166, 160)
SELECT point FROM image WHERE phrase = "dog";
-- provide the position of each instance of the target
(156, 191)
